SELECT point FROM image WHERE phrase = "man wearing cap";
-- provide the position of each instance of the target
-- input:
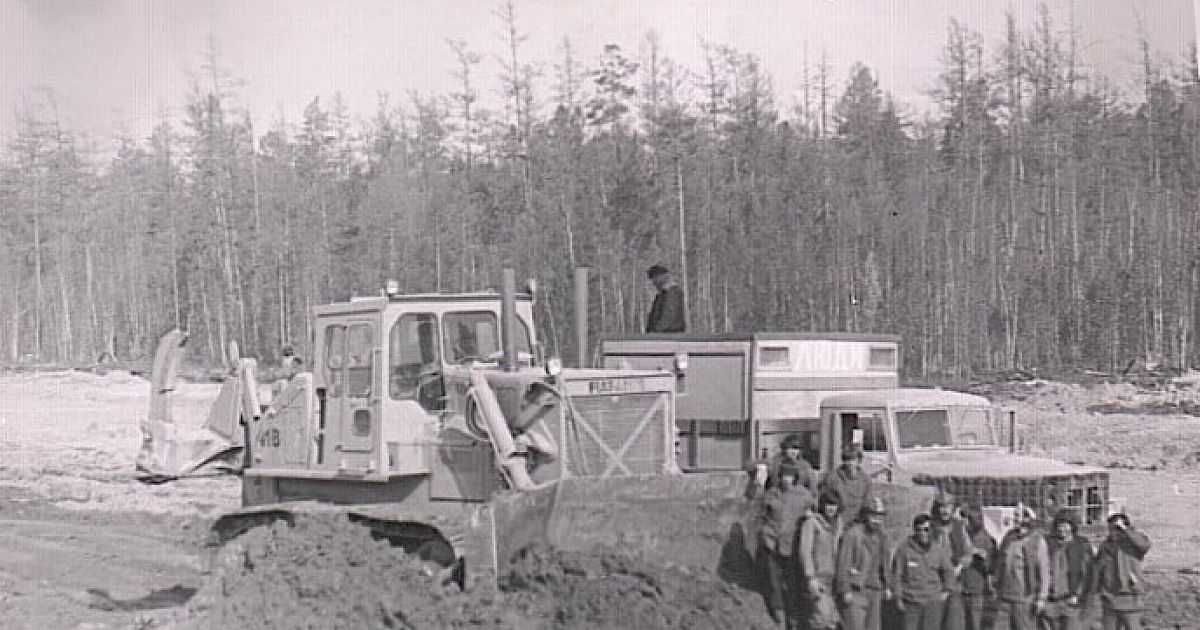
(924, 577)
(1070, 555)
(789, 455)
(819, 534)
(849, 481)
(785, 504)
(1117, 574)
(863, 576)
(666, 313)
(1021, 584)
(973, 577)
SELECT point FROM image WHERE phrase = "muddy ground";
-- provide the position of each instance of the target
(83, 544)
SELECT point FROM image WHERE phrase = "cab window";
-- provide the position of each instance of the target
(922, 428)
(348, 359)
(475, 335)
(413, 355)
(871, 424)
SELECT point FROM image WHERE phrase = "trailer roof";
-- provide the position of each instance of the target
(903, 398)
(755, 336)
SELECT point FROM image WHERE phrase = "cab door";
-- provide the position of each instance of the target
(351, 401)
(870, 426)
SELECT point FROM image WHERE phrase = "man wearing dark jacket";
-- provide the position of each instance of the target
(1117, 574)
(849, 481)
(666, 313)
(1070, 555)
(973, 578)
(1021, 584)
(863, 576)
(924, 576)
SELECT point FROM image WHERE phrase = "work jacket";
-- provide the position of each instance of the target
(818, 546)
(1069, 560)
(808, 478)
(922, 573)
(1021, 567)
(973, 578)
(1117, 569)
(862, 561)
(781, 517)
(666, 312)
(952, 536)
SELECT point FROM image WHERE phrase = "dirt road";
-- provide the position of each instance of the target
(85, 545)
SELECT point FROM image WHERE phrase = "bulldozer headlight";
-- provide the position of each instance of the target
(681, 362)
(553, 366)
(392, 288)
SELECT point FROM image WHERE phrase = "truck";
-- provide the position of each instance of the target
(738, 395)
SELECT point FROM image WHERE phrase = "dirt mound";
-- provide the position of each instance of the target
(333, 574)
(1172, 600)
(611, 589)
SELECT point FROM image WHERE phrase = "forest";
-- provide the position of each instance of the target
(1036, 218)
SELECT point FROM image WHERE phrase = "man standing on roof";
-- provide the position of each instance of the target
(666, 313)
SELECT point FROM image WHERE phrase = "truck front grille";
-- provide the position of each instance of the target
(1085, 494)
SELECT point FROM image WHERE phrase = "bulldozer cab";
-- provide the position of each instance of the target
(381, 365)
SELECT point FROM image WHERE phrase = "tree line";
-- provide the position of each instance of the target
(1038, 218)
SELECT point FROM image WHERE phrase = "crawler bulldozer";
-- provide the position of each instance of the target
(436, 421)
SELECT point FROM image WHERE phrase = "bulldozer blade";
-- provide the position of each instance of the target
(172, 447)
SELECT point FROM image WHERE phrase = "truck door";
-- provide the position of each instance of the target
(877, 457)
(351, 404)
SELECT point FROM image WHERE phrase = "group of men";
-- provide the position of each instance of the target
(828, 564)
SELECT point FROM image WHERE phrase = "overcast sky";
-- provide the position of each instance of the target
(113, 64)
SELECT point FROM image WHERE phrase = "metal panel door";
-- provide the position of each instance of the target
(351, 406)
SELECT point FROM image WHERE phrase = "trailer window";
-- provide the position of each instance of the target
(413, 354)
(926, 427)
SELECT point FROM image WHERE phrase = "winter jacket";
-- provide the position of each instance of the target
(666, 312)
(1020, 565)
(818, 547)
(852, 488)
(1117, 569)
(922, 573)
(808, 478)
(1069, 560)
(781, 517)
(862, 561)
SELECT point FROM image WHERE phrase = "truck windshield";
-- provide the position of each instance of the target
(958, 426)
(923, 427)
(973, 426)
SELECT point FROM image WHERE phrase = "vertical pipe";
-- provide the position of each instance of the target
(1012, 431)
(581, 317)
(508, 318)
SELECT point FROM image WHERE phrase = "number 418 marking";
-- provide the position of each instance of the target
(269, 437)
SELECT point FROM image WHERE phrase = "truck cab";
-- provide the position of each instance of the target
(952, 441)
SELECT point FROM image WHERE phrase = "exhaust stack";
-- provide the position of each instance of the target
(581, 317)
(508, 318)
